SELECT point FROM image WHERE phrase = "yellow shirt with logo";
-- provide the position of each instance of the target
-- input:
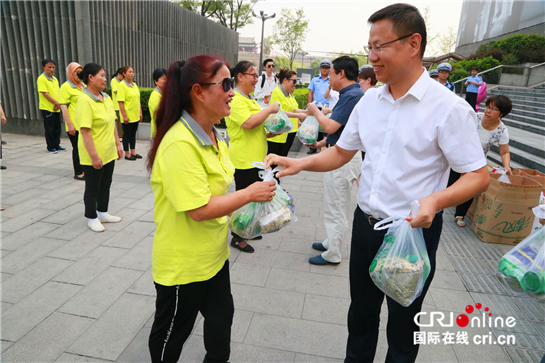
(114, 85)
(288, 104)
(99, 117)
(130, 96)
(188, 170)
(245, 146)
(51, 86)
(153, 105)
(69, 95)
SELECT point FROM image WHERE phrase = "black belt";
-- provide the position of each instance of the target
(372, 220)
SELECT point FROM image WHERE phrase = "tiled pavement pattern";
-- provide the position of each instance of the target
(71, 295)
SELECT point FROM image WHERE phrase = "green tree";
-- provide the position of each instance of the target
(281, 63)
(233, 14)
(290, 32)
(267, 45)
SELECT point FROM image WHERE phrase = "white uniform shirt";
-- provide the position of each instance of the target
(268, 87)
(410, 144)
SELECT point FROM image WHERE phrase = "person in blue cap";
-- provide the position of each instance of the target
(318, 87)
(434, 74)
(444, 70)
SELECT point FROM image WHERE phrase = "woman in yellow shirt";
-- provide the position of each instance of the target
(98, 145)
(68, 98)
(128, 98)
(248, 140)
(283, 94)
(190, 175)
(160, 79)
(114, 85)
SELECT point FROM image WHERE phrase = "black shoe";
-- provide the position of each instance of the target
(258, 238)
(236, 244)
(132, 158)
(3, 167)
(312, 151)
(137, 156)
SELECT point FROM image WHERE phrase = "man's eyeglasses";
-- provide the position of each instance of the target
(377, 48)
(270, 66)
(226, 83)
(252, 74)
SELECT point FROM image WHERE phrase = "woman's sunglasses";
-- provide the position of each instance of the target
(226, 83)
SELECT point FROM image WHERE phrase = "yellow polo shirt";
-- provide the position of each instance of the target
(114, 85)
(188, 170)
(130, 95)
(69, 95)
(153, 105)
(288, 104)
(51, 86)
(245, 146)
(99, 117)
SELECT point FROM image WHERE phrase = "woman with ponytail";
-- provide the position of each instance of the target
(98, 145)
(68, 98)
(190, 175)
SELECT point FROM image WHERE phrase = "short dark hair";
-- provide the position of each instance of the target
(267, 61)
(90, 69)
(241, 67)
(474, 69)
(406, 19)
(367, 73)
(503, 103)
(117, 72)
(47, 60)
(347, 64)
(158, 73)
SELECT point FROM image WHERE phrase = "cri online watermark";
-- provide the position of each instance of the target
(462, 320)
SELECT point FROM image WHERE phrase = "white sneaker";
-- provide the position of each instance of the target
(110, 219)
(96, 226)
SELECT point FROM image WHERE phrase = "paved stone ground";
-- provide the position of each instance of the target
(71, 295)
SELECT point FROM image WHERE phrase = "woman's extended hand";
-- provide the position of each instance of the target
(261, 191)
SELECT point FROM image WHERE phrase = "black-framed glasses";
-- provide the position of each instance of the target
(377, 48)
(252, 74)
(226, 83)
(270, 66)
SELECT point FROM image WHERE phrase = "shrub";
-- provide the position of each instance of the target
(525, 47)
(301, 95)
(144, 98)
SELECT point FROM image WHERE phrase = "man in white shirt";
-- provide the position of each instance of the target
(412, 130)
(265, 84)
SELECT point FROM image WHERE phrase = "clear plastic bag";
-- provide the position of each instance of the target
(516, 263)
(533, 281)
(503, 178)
(308, 132)
(401, 266)
(278, 123)
(255, 219)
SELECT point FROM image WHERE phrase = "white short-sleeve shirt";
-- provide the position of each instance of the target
(410, 144)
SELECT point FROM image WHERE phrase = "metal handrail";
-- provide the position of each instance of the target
(537, 65)
(483, 72)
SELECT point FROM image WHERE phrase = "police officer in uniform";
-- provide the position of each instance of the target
(317, 89)
(444, 70)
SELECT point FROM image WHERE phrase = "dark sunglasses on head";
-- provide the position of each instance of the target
(226, 83)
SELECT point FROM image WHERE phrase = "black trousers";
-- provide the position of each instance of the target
(129, 135)
(281, 149)
(52, 127)
(176, 311)
(364, 312)
(243, 179)
(97, 188)
(461, 210)
(471, 98)
(75, 153)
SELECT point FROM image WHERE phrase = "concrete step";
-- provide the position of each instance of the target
(520, 91)
(527, 141)
(524, 158)
(534, 121)
(524, 126)
(536, 107)
(523, 111)
(533, 97)
(523, 103)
